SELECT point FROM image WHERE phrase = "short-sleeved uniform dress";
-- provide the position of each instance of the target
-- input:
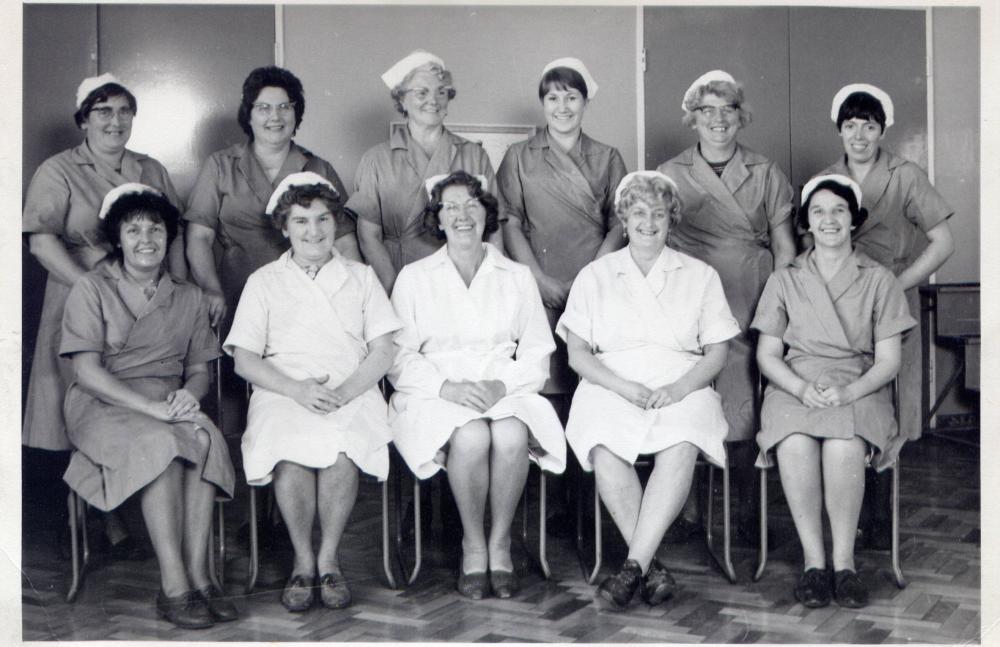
(389, 188)
(726, 223)
(494, 329)
(230, 196)
(564, 203)
(650, 329)
(902, 206)
(146, 344)
(830, 330)
(63, 199)
(308, 328)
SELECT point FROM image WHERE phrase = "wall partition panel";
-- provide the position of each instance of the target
(682, 43)
(496, 55)
(186, 66)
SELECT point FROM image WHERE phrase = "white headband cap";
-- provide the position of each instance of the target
(91, 83)
(705, 79)
(297, 179)
(395, 74)
(577, 65)
(634, 174)
(430, 182)
(843, 180)
(123, 189)
(878, 93)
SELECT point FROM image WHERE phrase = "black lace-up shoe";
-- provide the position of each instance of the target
(618, 589)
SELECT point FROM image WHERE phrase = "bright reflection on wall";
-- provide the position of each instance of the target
(166, 123)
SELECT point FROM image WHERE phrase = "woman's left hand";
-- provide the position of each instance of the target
(181, 403)
(837, 396)
(665, 395)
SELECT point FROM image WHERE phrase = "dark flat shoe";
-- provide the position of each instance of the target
(618, 589)
(186, 610)
(657, 584)
(333, 591)
(474, 586)
(813, 589)
(849, 590)
(219, 606)
(505, 584)
(298, 593)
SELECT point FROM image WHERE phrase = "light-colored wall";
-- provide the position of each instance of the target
(496, 55)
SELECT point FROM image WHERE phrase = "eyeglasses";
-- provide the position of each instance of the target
(727, 110)
(472, 205)
(421, 94)
(106, 113)
(266, 109)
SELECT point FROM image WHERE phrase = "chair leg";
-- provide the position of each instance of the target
(386, 565)
(726, 561)
(542, 528)
(762, 556)
(524, 516)
(215, 559)
(418, 548)
(397, 499)
(897, 571)
(74, 541)
(222, 545)
(598, 538)
(254, 548)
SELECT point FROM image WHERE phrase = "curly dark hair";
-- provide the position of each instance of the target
(858, 213)
(103, 93)
(861, 105)
(270, 76)
(303, 195)
(432, 221)
(139, 206)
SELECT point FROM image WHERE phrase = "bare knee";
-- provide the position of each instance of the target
(509, 438)
(603, 458)
(471, 441)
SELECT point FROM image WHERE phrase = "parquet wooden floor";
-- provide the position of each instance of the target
(940, 556)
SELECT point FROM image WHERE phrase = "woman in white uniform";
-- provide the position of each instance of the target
(472, 357)
(313, 334)
(647, 329)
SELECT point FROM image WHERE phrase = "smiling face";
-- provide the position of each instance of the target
(462, 217)
(716, 121)
(647, 225)
(861, 139)
(425, 100)
(311, 231)
(272, 119)
(143, 243)
(109, 134)
(564, 109)
(829, 219)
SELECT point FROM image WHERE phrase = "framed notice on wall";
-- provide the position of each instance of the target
(496, 139)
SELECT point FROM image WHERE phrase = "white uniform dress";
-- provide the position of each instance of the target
(649, 329)
(494, 329)
(310, 328)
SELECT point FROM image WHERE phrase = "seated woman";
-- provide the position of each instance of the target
(646, 328)
(473, 355)
(313, 334)
(140, 341)
(827, 409)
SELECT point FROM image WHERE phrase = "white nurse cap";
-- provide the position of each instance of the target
(297, 179)
(91, 83)
(878, 93)
(705, 79)
(395, 74)
(843, 180)
(634, 174)
(577, 65)
(431, 182)
(123, 189)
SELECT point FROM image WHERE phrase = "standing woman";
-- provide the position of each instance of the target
(737, 218)
(65, 236)
(389, 196)
(228, 199)
(907, 231)
(557, 193)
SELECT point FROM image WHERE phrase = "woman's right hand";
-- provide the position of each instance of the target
(474, 395)
(311, 394)
(554, 292)
(636, 393)
(812, 396)
(162, 410)
(216, 306)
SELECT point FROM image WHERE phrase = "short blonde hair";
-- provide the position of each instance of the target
(443, 75)
(731, 92)
(651, 191)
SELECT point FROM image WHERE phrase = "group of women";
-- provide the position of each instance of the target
(662, 287)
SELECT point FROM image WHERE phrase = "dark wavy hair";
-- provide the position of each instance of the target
(270, 76)
(861, 105)
(561, 78)
(139, 206)
(103, 93)
(303, 195)
(858, 213)
(432, 221)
